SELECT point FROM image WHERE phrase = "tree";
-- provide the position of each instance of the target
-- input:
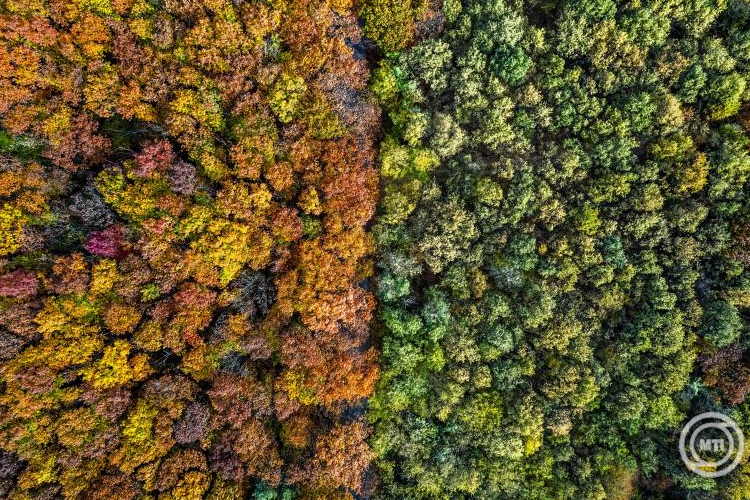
(170, 180)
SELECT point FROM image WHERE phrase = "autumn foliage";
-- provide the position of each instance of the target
(371, 249)
(184, 193)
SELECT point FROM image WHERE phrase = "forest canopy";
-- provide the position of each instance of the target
(562, 249)
(185, 188)
(376, 249)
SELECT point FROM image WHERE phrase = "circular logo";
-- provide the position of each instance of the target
(711, 444)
